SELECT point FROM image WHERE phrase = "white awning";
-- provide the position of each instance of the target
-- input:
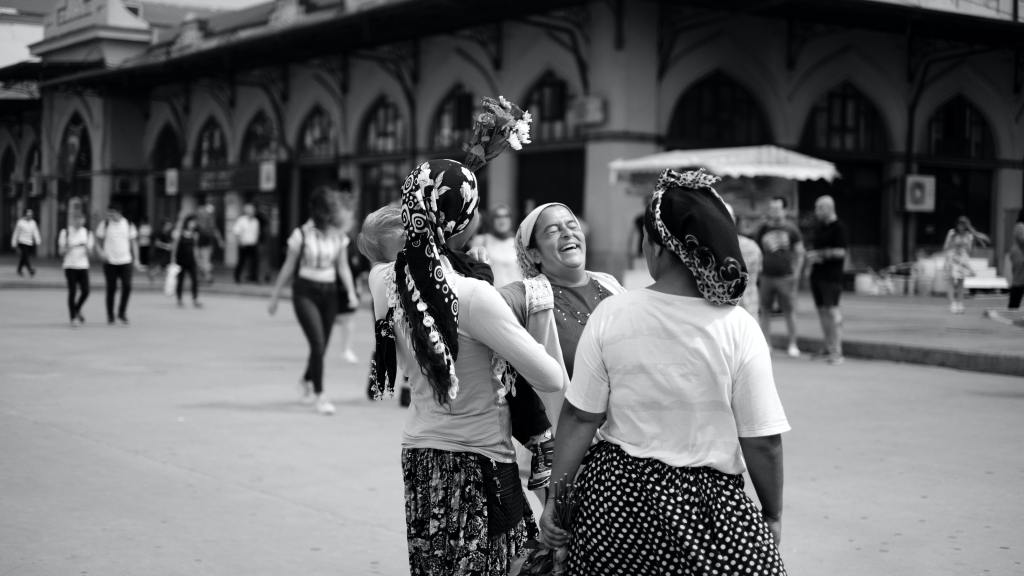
(737, 162)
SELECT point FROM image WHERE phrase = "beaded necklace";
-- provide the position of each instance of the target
(578, 315)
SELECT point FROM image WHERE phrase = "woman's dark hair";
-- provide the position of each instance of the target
(323, 206)
(185, 222)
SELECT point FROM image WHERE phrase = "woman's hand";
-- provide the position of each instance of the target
(551, 534)
(479, 253)
(775, 527)
(272, 307)
(353, 300)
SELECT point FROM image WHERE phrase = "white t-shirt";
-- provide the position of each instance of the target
(380, 276)
(247, 229)
(117, 240)
(501, 254)
(76, 244)
(680, 380)
(319, 253)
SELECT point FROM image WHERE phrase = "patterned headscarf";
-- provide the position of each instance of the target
(439, 200)
(525, 233)
(692, 221)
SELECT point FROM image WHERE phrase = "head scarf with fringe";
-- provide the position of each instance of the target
(439, 200)
(692, 221)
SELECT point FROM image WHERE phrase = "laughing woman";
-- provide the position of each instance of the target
(679, 381)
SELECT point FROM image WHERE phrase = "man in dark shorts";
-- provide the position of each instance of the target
(783, 249)
(827, 260)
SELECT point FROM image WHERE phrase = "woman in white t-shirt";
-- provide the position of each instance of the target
(676, 380)
(75, 242)
(316, 259)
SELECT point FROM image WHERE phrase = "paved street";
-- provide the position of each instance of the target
(177, 446)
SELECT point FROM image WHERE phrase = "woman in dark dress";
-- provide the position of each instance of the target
(183, 253)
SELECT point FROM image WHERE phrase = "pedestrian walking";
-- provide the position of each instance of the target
(163, 244)
(247, 232)
(183, 253)
(465, 508)
(960, 242)
(316, 253)
(75, 242)
(679, 382)
(754, 260)
(209, 238)
(118, 247)
(499, 242)
(783, 249)
(827, 260)
(145, 243)
(25, 239)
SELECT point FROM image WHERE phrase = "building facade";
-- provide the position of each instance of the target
(266, 103)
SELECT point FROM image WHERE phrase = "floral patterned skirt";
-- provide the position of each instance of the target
(446, 517)
(642, 516)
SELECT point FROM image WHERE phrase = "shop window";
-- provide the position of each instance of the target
(548, 104)
(260, 140)
(958, 130)
(453, 122)
(844, 120)
(717, 112)
(384, 130)
(211, 148)
(317, 136)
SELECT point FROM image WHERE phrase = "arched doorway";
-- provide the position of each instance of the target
(11, 196)
(259, 152)
(210, 156)
(845, 127)
(166, 156)
(317, 156)
(552, 169)
(384, 149)
(74, 185)
(715, 112)
(961, 155)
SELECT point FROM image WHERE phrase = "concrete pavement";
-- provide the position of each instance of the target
(177, 446)
(917, 329)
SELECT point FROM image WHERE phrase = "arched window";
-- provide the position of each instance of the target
(548, 104)
(33, 162)
(844, 120)
(317, 137)
(384, 130)
(76, 149)
(260, 140)
(958, 130)
(211, 148)
(717, 112)
(167, 152)
(453, 122)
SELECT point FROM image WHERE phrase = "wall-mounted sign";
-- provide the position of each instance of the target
(920, 193)
(171, 181)
(268, 176)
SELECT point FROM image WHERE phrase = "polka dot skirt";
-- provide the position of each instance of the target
(642, 516)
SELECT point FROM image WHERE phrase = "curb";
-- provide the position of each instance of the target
(944, 358)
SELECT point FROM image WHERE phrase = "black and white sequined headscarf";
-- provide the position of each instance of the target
(439, 200)
(692, 221)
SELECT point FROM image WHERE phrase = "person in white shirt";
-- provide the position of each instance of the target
(500, 243)
(75, 242)
(676, 381)
(247, 231)
(25, 239)
(118, 247)
(316, 260)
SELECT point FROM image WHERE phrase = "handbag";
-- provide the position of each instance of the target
(171, 280)
(505, 500)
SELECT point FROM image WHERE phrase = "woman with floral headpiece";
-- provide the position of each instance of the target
(679, 381)
(465, 508)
